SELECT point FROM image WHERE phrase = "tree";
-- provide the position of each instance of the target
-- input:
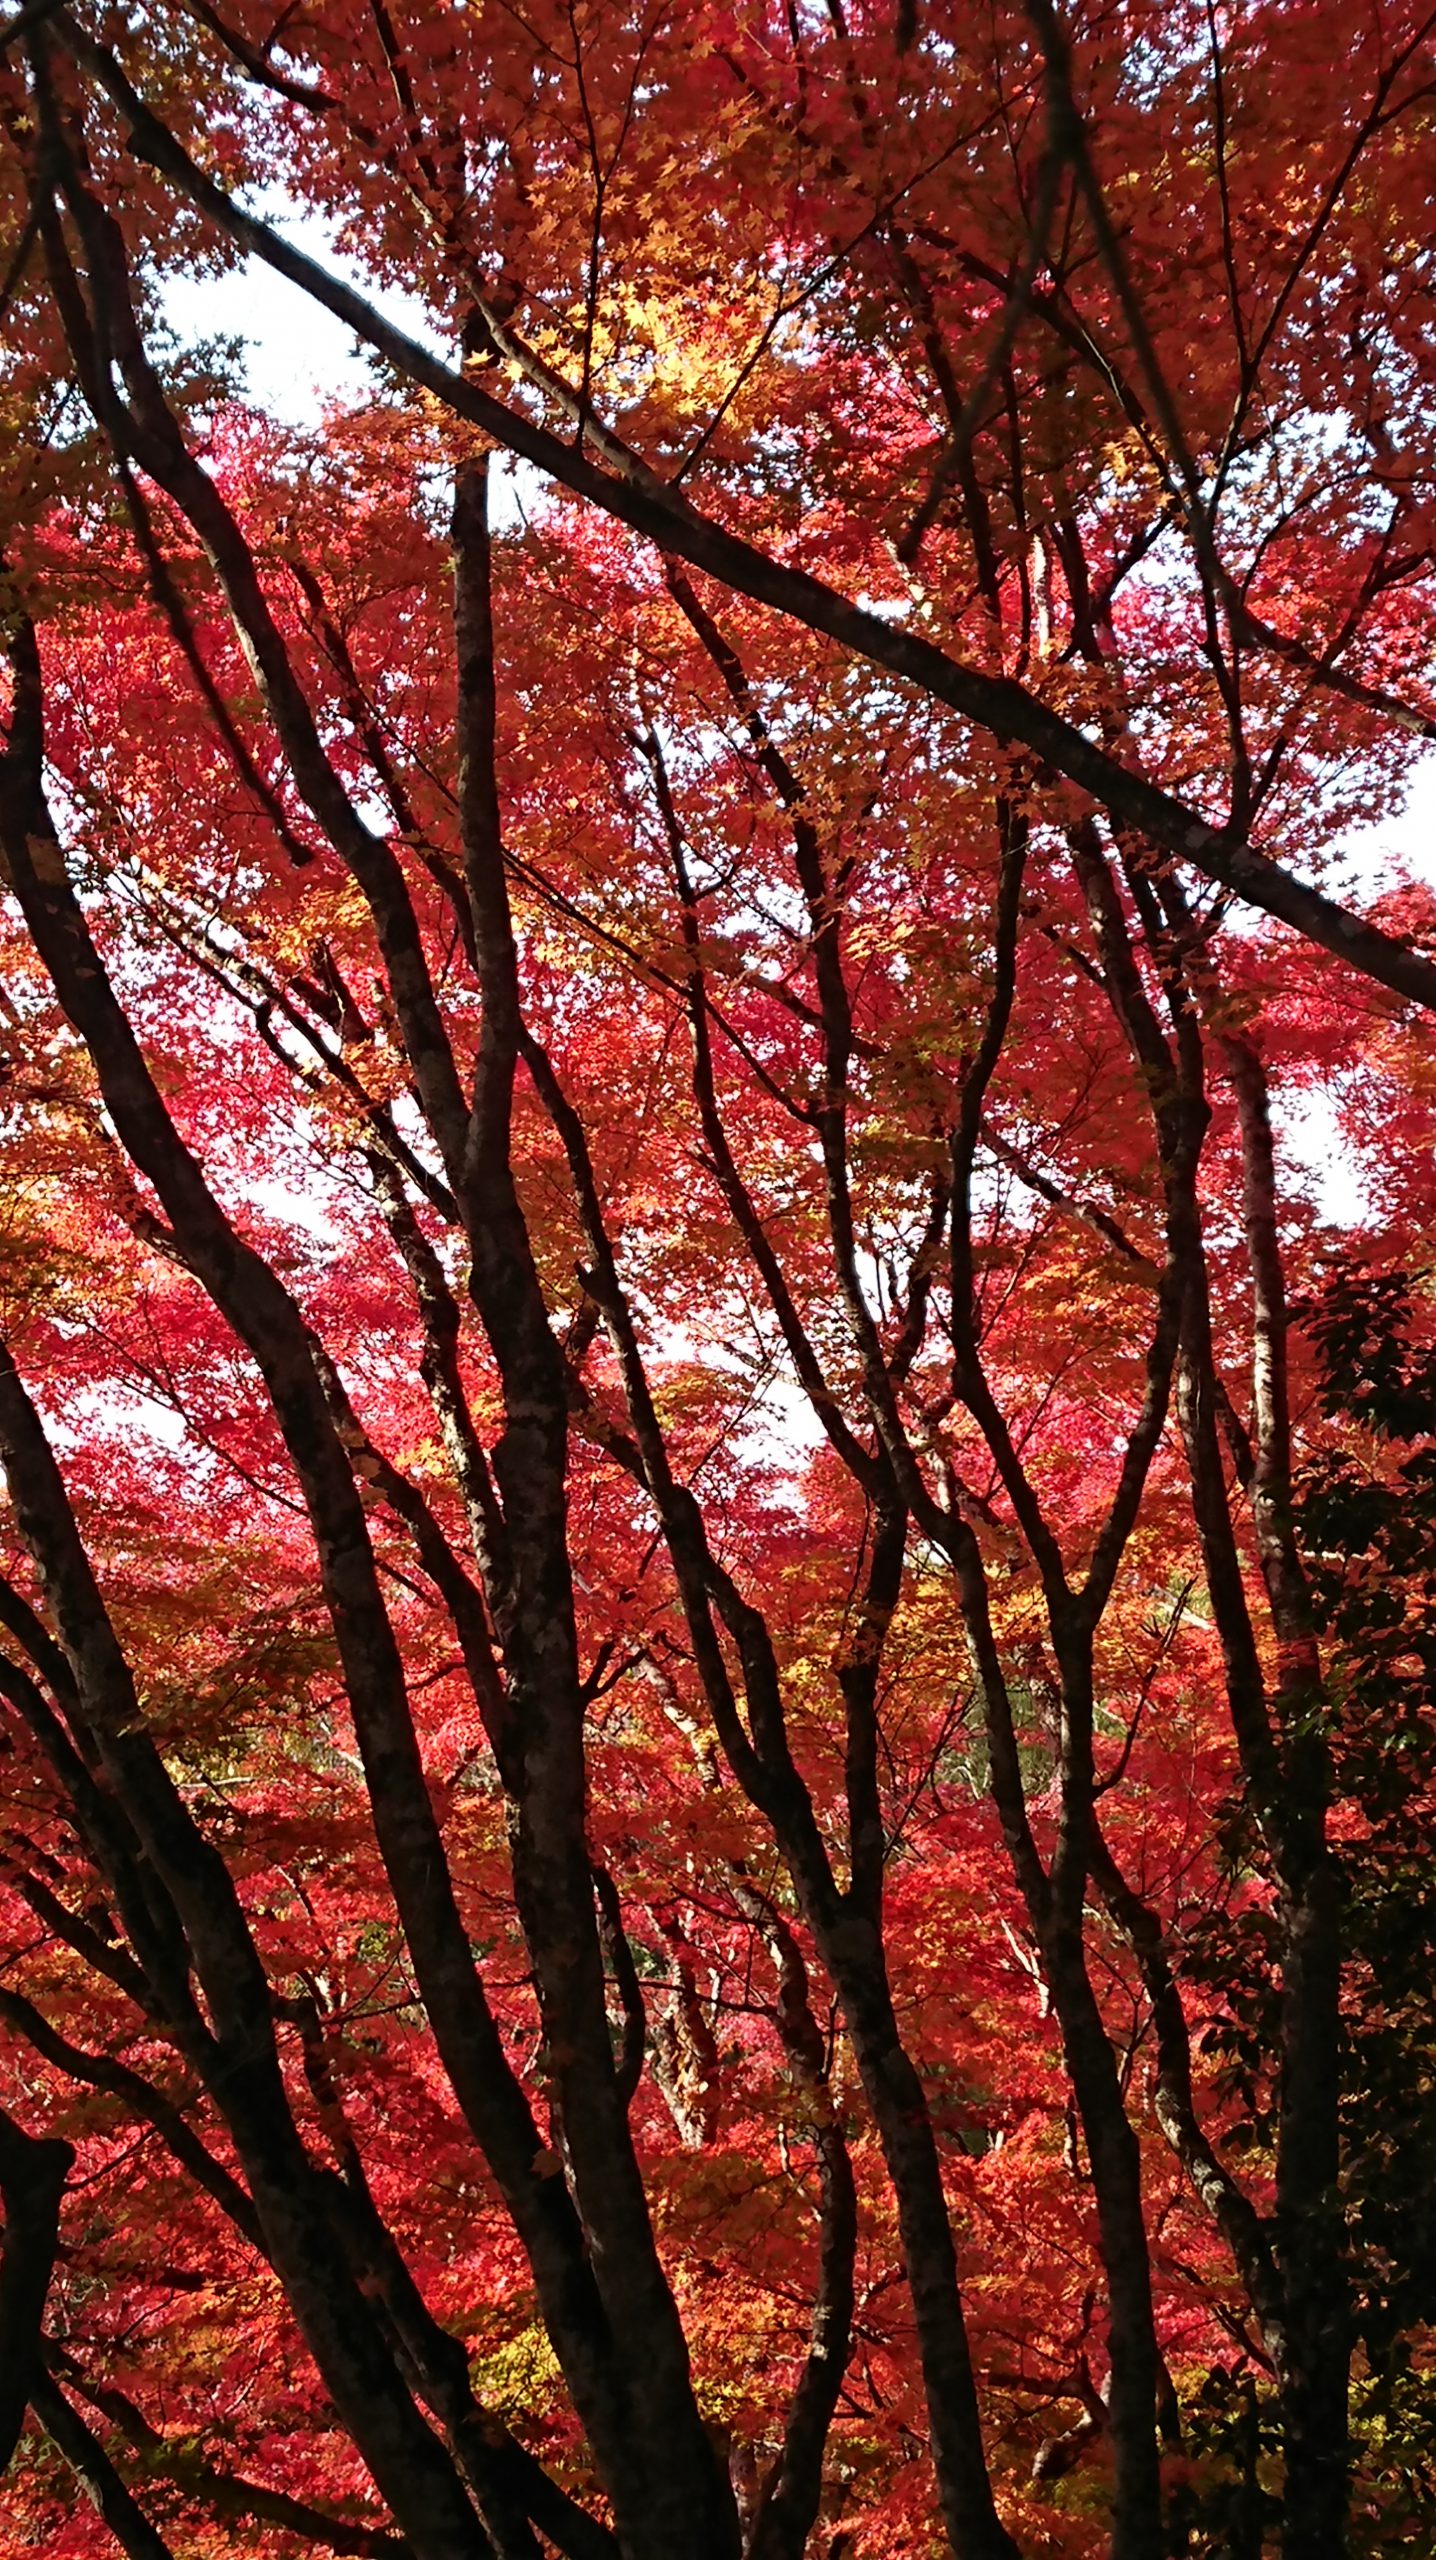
(705, 1705)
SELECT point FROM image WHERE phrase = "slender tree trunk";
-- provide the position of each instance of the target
(1316, 2362)
(852, 1953)
(1315, 2378)
(1115, 2160)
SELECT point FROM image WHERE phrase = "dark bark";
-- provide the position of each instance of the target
(848, 1936)
(511, 2489)
(849, 1941)
(1248, 2234)
(1314, 2339)
(684, 2490)
(33, 2171)
(87, 2458)
(608, 2306)
(852, 1953)
(994, 703)
(847, 1927)
(265, 1318)
(618, 1955)
(1311, 2238)
(101, 2071)
(789, 2498)
(1055, 1894)
(197, 2481)
(408, 2464)
(1137, 2526)
(1310, 2224)
(1056, 1915)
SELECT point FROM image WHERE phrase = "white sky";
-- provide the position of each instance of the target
(298, 356)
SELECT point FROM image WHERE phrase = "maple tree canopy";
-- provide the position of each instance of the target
(718, 1591)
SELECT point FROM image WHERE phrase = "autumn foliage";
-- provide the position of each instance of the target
(718, 1597)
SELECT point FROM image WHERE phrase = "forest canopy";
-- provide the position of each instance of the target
(718, 1587)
